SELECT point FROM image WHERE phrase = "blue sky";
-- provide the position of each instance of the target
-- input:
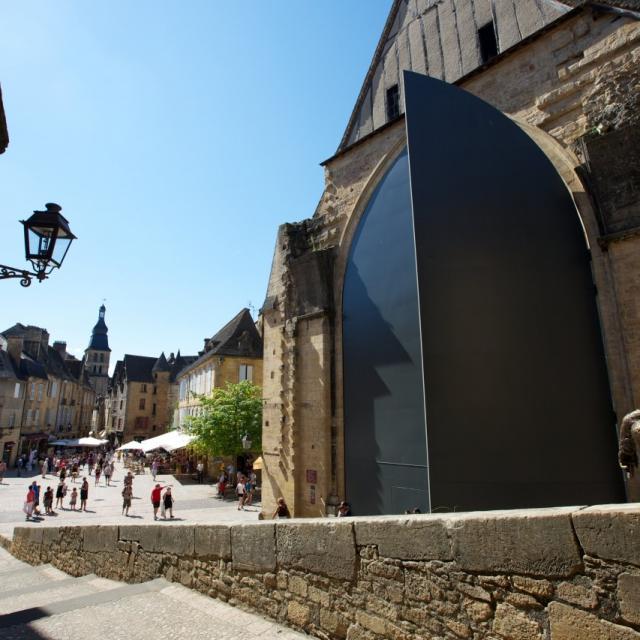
(177, 136)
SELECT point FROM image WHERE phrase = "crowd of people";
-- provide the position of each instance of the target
(66, 468)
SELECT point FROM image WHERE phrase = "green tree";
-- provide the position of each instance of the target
(229, 413)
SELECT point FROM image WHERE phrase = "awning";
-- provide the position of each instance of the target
(169, 441)
(134, 445)
(80, 442)
(257, 463)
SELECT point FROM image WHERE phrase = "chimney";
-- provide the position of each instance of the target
(61, 347)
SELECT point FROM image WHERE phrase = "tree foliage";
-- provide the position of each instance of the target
(228, 414)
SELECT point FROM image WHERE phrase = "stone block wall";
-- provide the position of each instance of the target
(552, 574)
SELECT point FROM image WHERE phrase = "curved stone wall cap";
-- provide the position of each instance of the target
(513, 513)
(632, 507)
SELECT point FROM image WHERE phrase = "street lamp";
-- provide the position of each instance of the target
(47, 238)
(246, 442)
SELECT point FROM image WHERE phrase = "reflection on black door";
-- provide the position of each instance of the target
(500, 323)
(385, 444)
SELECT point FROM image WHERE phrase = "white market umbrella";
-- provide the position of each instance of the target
(134, 445)
(169, 441)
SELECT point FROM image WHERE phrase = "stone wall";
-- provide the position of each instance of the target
(553, 574)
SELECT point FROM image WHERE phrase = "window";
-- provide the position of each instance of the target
(102, 357)
(488, 42)
(16, 390)
(36, 417)
(54, 389)
(141, 422)
(153, 409)
(12, 420)
(143, 388)
(155, 389)
(32, 391)
(40, 391)
(153, 428)
(142, 403)
(245, 372)
(120, 424)
(393, 102)
(29, 416)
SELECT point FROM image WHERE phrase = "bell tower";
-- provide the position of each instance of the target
(96, 355)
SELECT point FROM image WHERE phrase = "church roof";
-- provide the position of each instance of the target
(99, 339)
(440, 38)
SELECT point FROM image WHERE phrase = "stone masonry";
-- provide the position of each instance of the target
(552, 574)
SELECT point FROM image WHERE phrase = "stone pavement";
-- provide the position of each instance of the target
(194, 503)
(42, 602)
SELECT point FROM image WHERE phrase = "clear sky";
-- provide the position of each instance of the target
(176, 135)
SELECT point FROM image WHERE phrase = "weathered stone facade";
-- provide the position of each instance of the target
(552, 574)
(574, 88)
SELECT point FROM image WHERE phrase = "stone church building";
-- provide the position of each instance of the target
(353, 380)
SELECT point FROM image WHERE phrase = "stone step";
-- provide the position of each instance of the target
(30, 615)
(24, 597)
(27, 576)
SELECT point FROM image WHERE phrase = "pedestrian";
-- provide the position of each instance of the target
(19, 465)
(90, 462)
(107, 470)
(60, 491)
(241, 492)
(97, 472)
(222, 485)
(344, 510)
(73, 499)
(154, 468)
(248, 495)
(84, 494)
(28, 503)
(48, 501)
(63, 471)
(200, 470)
(127, 494)
(74, 471)
(36, 505)
(44, 467)
(167, 504)
(282, 511)
(3, 470)
(155, 500)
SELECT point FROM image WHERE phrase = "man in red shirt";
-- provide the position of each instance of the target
(155, 500)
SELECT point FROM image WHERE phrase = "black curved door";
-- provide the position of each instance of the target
(501, 325)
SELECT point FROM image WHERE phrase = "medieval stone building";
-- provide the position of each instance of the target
(568, 75)
(231, 355)
(143, 393)
(45, 393)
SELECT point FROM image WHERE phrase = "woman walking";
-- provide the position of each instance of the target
(168, 503)
(127, 494)
(97, 473)
(107, 470)
(29, 501)
(84, 494)
(154, 468)
(48, 501)
(60, 492)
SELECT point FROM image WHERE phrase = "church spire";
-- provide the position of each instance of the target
(99, 339)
